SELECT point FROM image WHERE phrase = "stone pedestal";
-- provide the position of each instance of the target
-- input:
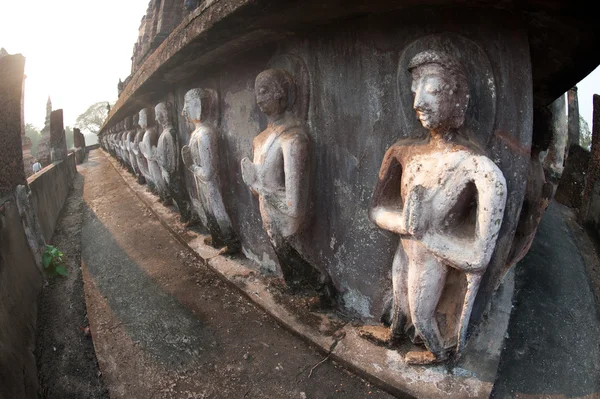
(11, 93)
(58, 141)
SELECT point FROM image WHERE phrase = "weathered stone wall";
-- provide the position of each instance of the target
(49, 190)
(11, 92)
(356, 111)
(160, 20)
(20, 283)
(20, 277)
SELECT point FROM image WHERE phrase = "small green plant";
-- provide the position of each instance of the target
(54, 261)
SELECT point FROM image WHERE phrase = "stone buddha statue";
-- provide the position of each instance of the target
(446, 199)
(148, 147)
(280, 176)
(141, 161)
(167, 155)
(129, 137)
(201, 157)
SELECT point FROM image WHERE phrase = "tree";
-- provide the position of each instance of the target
(585, 136)
(93, 118)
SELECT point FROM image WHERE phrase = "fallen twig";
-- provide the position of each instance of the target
(318, 364)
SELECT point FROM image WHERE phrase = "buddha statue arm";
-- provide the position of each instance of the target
(386, 209)
(474, 254)
(207, 152)
(249, 175)
(294, 199)
(186, 155)
(170, 153)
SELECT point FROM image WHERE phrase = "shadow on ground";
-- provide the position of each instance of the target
(153, 318)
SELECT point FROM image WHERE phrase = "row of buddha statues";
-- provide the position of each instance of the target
(443, 196)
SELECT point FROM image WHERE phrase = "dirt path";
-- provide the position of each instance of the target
(165, 326)
(67, 366)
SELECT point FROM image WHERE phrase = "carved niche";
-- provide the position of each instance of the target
(201, 157)
(167, 155)
(444, 197)
(279, 175)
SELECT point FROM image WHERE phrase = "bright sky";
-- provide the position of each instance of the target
(76, 50)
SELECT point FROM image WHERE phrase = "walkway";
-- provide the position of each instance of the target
(552, 348)
(165, 326)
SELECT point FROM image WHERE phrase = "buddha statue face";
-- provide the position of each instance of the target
(440, 91)
(162, 112)
(272, 91)
(143, 118)
(192, 107)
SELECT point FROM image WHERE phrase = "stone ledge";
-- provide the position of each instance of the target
(219, 30)
(472, 376)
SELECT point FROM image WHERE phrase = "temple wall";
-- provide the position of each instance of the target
(356, 111)
(50, 189)
(20, 278)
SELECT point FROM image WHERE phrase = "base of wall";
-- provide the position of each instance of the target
(470, 377)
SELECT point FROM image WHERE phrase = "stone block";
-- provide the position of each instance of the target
(573, 116)
(58, 140)
(11, 93)
(593, 170)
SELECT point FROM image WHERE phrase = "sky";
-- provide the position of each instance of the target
(75, 50)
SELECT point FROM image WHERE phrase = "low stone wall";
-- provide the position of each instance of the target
(49, 190)
(20, 283)
(21, 276)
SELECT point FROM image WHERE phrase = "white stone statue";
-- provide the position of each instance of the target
(141, 160)
(167, 155)
(201, 157)
(446, 199)
(129, 138)
(148, 148)
(280, 176)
